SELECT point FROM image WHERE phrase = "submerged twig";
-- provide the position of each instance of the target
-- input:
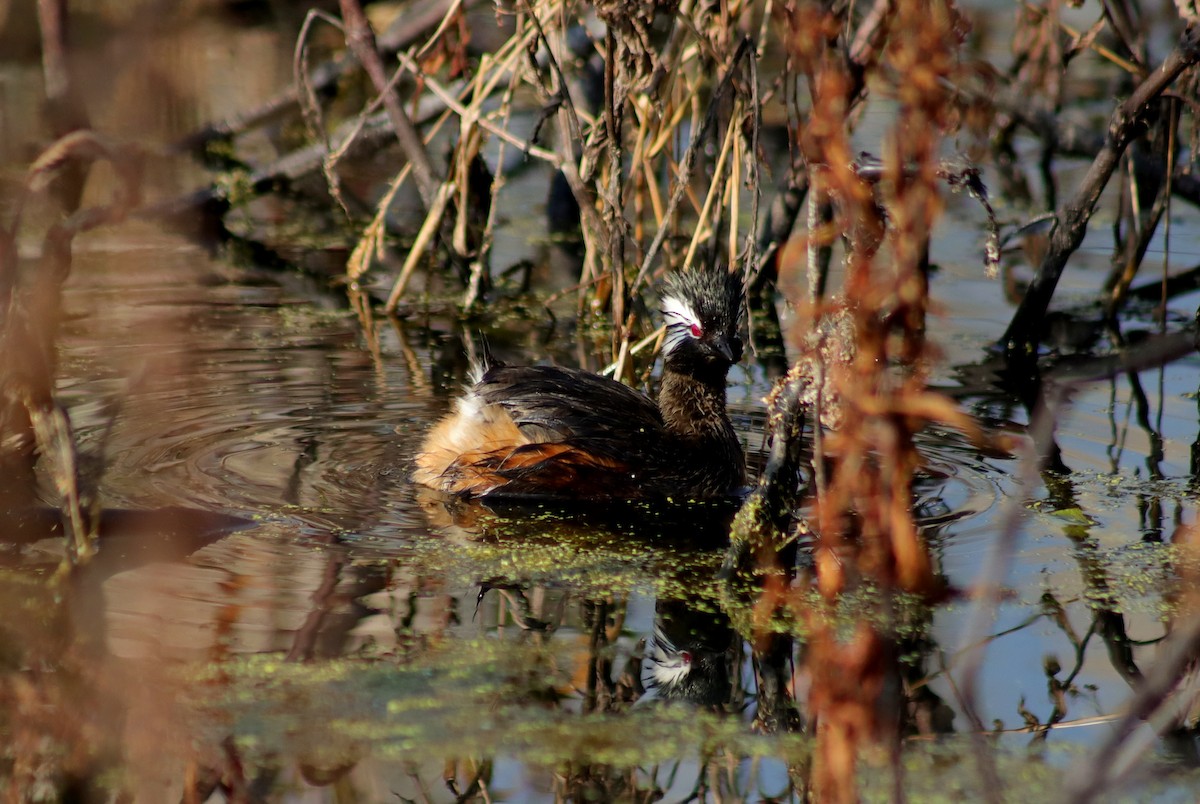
(1112, 759)
(1057, 390)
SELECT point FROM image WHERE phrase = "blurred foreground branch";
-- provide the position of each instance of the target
(32, 421)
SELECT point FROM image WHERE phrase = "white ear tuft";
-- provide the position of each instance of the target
(680, 318)
(676, 311)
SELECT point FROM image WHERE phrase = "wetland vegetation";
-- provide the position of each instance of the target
(247, 252)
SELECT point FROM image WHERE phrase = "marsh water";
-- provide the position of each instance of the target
(275, 603)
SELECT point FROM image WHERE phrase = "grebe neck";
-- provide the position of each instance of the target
(693, 404)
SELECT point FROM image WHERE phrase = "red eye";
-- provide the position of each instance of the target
(696, 331)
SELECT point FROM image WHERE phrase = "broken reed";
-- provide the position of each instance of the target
(34, 424)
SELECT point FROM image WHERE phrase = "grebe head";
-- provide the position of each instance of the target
(702, 308)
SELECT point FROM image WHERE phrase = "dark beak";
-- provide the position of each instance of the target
(729, 348)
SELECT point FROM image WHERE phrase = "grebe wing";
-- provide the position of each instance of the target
(553, 404)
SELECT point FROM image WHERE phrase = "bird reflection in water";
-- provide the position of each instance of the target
(689, 656)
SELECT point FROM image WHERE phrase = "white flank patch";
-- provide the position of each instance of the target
(472, 413)
(470, 406)
(680, 319)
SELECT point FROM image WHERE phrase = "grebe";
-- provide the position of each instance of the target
(559, 433)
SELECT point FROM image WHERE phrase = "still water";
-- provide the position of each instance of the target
(284, 614)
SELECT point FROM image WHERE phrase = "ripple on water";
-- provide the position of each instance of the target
(955, 483)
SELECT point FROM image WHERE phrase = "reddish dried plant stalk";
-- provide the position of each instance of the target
(866, 531)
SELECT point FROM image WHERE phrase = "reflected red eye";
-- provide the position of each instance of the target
(696, 331)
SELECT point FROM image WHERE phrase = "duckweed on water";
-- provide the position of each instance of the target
(457, 702)
(460, 703)
(591, 561)
(1128, 579)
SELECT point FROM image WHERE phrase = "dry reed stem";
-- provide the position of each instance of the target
(733, 192)
(471, 115)
(425, 235)
(724, 87)
(715, 188)
(371, 242)
(606, 235)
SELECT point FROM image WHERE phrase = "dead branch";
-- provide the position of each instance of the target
(289, 167)
(1127, 122)
(409, 28)
(570, 135)
(1070, 137)
(361, 40)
